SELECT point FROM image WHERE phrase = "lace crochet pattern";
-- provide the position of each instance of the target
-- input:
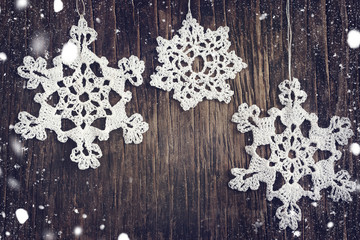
(178, 56)
(83, 98)
(292, 154)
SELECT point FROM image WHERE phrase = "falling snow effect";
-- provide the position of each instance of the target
(58, 5)
(78, 231)
(69, 53)
(13, 184)
(21, 4)
(3, 57)
(16, 146)
(48, 235)
(39, 44)
(123, 236)
(263, 16)
(353, 38)
(21, 215)
(330, 225)
(355, 149)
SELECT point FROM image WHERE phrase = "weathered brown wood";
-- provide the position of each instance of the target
(174, 184)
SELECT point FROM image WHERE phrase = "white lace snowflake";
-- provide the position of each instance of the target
(178, 56)
(292, 154)
(83, 98)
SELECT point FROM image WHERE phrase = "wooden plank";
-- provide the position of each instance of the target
(174, 184)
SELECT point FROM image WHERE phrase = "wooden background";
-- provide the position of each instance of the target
(174, 184)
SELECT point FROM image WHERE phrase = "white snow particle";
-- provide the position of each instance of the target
(297, 233)
(58, 5)
(78, 231)
(69, 53)
(13, 183)
(355, 149)
(353, 38)
(102, 227)
(41, 207)
(3, 57)
(39, 44)
(22, 215)
(123, 236)
(84, 215)
(330, 224)
(7, 233)
(1, 172)
(48, 235)
(98, 20)
(21, 4)
(76, 211)
(16, 146)
(3, 214)
(263, 16)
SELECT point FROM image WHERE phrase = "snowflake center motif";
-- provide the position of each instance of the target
(292, 154)
(80, 92)
(196, 64)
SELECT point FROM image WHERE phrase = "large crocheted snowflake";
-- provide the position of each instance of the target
(181, 54)
(83, 98)
(292, 154)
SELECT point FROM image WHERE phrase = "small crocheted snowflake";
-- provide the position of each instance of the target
(190, 83)
(292, 154)
(83, 97)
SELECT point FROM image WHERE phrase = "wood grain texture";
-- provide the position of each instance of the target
(174, 184)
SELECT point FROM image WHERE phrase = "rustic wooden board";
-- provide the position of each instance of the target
(174, 184)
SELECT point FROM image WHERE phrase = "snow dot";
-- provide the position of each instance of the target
(78, 231)
(84, 215)
(21, 4)
(3, 57)
(41, 207)
(355, 149)
(7, 233)
(102, 227)
(58, 5)
(76, 210)
(16, 146)
(69, 53)
(297, 233)
(1, 172)
(48, 235)
(98, 20)
(330, 224)
(263, 16)
(39, 43)
(3, 214)
(314, 204)
(13, 183)
(353, 38)
(123, 236)
(22, 215)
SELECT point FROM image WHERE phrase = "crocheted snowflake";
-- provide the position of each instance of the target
(83, 98)
(292, 154)
(180, 54)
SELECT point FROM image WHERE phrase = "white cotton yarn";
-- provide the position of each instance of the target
(292, 154)
(83, 98)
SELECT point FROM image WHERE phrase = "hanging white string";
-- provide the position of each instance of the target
(289, 35)
(83, 8)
